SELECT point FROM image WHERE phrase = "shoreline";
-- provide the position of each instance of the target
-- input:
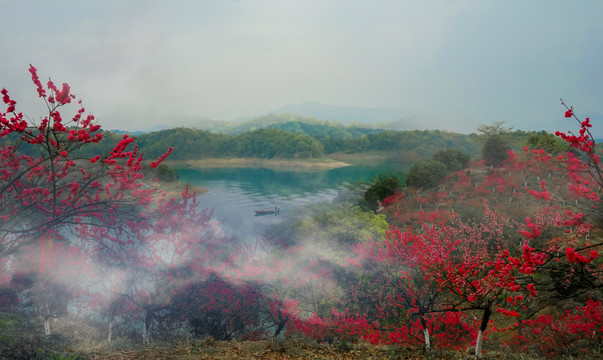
(175, 188)
(278, 164)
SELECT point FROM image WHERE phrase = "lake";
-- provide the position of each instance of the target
(235, 193)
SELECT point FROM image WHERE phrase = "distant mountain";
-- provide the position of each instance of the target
(323, 131)
(345, 114)
(131, 133)
(315, 113)
(140, 132)
(274, 120)
(419, 122)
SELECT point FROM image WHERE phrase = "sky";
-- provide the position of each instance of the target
(455, 64)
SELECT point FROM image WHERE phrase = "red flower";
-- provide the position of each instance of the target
(571, 255)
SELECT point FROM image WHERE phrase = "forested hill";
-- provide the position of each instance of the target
(301, 140)
(322, 132)
(266, 121)
(271, 142)
(280, 120)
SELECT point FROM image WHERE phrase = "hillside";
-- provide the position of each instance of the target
(346, 114)
(513, 188)
(312, 140)
(323, 131)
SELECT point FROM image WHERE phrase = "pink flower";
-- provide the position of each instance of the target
(36, 81)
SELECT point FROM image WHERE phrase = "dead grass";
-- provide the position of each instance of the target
(291, 349)
(73, 339)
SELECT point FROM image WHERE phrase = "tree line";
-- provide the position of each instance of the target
(305, 141)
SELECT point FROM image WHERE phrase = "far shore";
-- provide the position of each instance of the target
(286, 164)
(174, 189)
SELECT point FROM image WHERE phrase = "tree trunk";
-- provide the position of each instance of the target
(478, 344)
(280, 326)
(425, 333)
(146, 337)
(110, 339)
(47, 326)
(480, 334)
(145, 333)
(46, 320)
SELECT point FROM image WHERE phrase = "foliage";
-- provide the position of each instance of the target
(262, 143)
(556, 263)
(382, 186)
(549, 143)
(164, 173)
(494, 129)
(300, 136)
(570, 333)
(296, 140)
(426, 174)
(271, 143)
(339, 226)
(300, 139)
(453, 159)
(425, 142)
(495, 151)
(213, 308)
(322, 131)
(496, 147)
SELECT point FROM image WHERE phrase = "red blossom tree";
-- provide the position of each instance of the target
(100, 207)
(46, 187)
(511, 271)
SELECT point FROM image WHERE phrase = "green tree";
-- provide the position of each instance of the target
(382, 187)
(549, 143)
(494, 129)
(426, 174)
(496, 148)
(337, 228)
(495, 151)
(164, 173)
(453, 159)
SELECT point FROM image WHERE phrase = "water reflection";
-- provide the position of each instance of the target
(262, 181)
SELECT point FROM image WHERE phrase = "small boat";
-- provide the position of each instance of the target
(267, 212)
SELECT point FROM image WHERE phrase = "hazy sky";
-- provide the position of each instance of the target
(459, 63)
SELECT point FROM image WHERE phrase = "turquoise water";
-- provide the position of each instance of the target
(234, 193)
